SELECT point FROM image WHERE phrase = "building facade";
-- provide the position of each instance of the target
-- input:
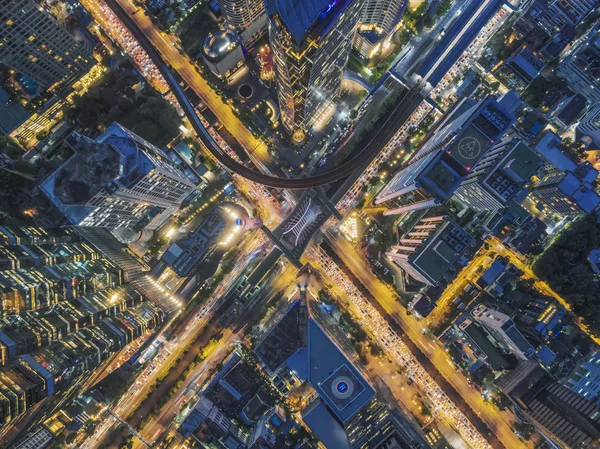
(504, 330)
(378, 20)
(65, 308)
(559, 14)
(581, 66)
(585, 378)
(499, 176)
(588, 129)
(432, 250)
(35, 44)
(311, 43)
(249, 17)
(223, 53)
(445, 160)
(565, 192)
(117, 181)
(568, 419)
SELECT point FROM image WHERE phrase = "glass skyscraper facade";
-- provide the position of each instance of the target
(311, 42)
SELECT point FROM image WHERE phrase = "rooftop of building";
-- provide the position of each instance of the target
(220, 43)
(336, 380)
(494, 356)
(521, 163)
(572, 109)
(526, 64)
(288, 337)
(325, 427)
(86, 173)
(550, 147)
(301, 15)
(441, 249)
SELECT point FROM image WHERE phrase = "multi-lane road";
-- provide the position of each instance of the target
(500, 423)
(164, 52)
(172, 349)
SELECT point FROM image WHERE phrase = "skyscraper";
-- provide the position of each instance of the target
(35, 44)
(311, 42)
(499, 176)
(34, 376)
(247, 16)
(378, 19)
(117, 180)
(443, 162)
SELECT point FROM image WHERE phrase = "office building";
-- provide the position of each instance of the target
(568, 419)
(41, 276)
(39, 438)
(499, 176)
(311, 41)
(42, 373)
(433, 251)
(522, 67)
(247, 16)
(543, 319)
(581, 66)
(585, 378)
(504, 330)
(118, 180)
(223, 52)
(443, 162)
(559, 14)
(378, 21)
(32, 330)
(567, 192)
(588, 129)
(345, 413)
(88, 266)
(568, 111)
(35, 44)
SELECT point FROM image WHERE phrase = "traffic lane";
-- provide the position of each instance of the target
(188, 71)
(394, 322)
(364, 156)
(388, 299)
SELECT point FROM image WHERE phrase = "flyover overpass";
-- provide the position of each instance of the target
(407, 103)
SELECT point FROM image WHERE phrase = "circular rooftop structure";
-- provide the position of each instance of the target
(220, 43)
(342, 387)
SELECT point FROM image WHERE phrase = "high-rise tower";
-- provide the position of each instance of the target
(445, 160)
(311, 42)
(65, 307)
(378, 20)
(116, 181)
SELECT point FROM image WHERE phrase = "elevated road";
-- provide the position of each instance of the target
(407, 103)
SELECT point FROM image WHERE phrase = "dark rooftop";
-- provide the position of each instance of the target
(332, 375)
(287, 337)
(86, 173)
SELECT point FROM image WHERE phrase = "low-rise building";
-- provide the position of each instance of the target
(224, 53)
(504, 330)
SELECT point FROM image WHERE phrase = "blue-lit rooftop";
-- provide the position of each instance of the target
(339, 384)
(300, 15)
